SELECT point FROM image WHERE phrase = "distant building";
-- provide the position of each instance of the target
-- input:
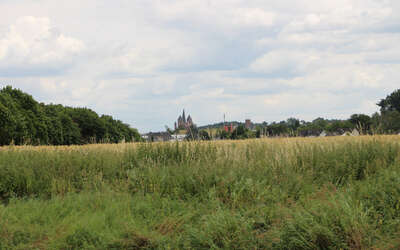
(178, 137)
(157, 137)
(182, 122)
(355, 132)
(248, 124)
(228, 128)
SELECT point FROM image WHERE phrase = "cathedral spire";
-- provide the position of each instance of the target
(184, 122)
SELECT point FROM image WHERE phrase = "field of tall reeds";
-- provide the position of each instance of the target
(310, 193)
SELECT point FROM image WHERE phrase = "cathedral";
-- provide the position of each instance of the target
(183, 122)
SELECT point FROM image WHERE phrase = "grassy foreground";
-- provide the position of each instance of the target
(323, 193)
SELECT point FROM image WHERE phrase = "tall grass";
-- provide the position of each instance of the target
(324, 193)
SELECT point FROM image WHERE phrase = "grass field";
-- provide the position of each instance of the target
(313, 193)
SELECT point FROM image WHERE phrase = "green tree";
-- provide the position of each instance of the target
(30, 120)
(391, 102)
(113, 130)
(241, 132)
(361, 122)
(278, 129)
(339, 127)
(391, 122)
(293, 123)
(7, 125)
(24, 121)
(91, 127)
(390, 113)
(203, 135)
(222, 134)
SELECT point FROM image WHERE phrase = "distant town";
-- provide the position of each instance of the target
(386, 121)
(357, 124)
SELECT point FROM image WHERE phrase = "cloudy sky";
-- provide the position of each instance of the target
(143, 61)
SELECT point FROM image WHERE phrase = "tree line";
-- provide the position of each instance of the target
(24, 121)
(387, 121)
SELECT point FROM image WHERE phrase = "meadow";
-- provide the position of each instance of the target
(287, 193)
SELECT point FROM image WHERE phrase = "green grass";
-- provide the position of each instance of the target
(330, 193)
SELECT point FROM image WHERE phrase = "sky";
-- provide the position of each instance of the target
(143, 61)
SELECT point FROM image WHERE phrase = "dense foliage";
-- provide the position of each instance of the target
(25, 121)
(290, 193)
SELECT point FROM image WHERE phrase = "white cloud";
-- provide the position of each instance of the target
(147, 58)
(33, 44)
(253, 17)
(285, 63)
(227, 16)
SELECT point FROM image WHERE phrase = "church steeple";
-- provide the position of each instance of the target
(183, 122)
